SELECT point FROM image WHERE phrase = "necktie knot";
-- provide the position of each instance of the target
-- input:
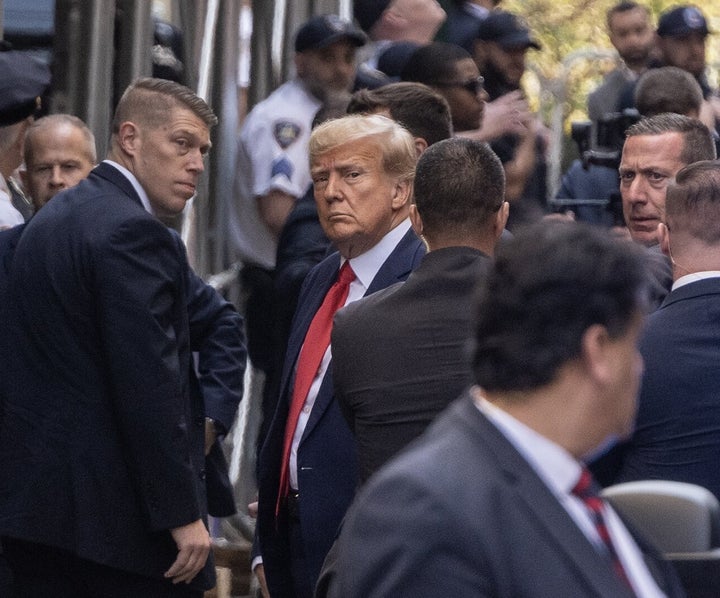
(346, 275)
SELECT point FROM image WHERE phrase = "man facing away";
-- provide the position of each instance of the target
(401, 355)
(362, 169)
(491, 500)
(677, 436)
(102, 460)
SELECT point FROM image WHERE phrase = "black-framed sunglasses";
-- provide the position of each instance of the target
(474, 86)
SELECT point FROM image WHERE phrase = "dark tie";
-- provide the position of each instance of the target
(316, 343)
(586, 490)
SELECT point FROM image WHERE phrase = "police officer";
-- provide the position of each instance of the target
(23, 81)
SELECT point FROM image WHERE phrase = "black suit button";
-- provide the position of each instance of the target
(202, 474)
(200, 422)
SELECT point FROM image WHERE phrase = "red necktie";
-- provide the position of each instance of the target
(586, 490)
(316, 343)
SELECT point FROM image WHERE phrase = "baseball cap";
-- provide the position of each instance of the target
(507, 30)
(23, 81)
(682, 20)
(324, 30)
(367, 12)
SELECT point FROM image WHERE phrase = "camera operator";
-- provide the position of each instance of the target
(666, 89)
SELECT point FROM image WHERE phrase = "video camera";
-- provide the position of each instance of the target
(610, 138)
(607, 149)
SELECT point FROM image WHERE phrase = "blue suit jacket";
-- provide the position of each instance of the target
(677, 434)
(327, 460)
(462, 513)
(101, 445)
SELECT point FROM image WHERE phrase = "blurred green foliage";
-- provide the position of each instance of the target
(567, 29)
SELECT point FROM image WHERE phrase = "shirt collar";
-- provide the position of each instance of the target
(694, 277)
(558, 469)
(144, 199)
(366, 265)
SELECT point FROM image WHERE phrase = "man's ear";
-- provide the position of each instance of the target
(594, 344)
(128, 137)
(420, 145)
(402, 194)
(416, 220)
(501, 219)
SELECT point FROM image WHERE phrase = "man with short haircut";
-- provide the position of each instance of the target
(494, 499)
(655, 150)
(400, 356)
(422, 111)
(668, 89)
(59, 153)
(677, 434)
(102, 488)
(362, 169)
(631, 34)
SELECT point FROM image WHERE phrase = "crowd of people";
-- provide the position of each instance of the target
(448, 365)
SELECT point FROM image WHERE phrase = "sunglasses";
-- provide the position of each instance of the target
(474, 86)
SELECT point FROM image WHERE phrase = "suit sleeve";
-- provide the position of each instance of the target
(143, 327)
(216, 334)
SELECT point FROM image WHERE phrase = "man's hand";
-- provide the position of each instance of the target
(193, 543)
(260, 574)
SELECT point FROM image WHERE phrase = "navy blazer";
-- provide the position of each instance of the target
(102, 441)
(327, 460)
(677, 431)
(462, 513)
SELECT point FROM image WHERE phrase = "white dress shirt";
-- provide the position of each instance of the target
(560, 471)
(365, 266)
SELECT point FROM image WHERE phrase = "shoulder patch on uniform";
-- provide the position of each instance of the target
(286, 133)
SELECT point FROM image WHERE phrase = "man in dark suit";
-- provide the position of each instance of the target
(59, 152)
(493, 499)
(101, 447)
(677, 436)
(401, 355)
(362, 169)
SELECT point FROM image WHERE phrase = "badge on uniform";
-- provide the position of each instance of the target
(286, 133)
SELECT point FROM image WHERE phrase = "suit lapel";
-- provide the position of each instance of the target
(544, 509)
(407, 255)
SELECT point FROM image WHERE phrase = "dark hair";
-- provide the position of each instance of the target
(149, 101)
(422, 111)
(667, 89)
(692, 203)
(433, 63)
(459, 187)
(623, 7)
(699, 144)
(548, 285)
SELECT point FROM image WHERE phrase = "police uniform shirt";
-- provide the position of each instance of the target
(272, 155)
